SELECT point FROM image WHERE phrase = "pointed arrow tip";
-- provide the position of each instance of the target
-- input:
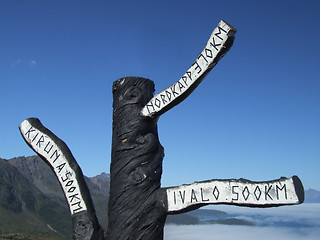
(298, 188)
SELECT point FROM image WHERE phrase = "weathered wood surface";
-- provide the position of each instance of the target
(217, 46)
(242, 192)
(57, 155)
(136, 205)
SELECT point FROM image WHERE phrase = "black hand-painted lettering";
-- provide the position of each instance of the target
(69, 183)
(182, 196)
(202, 198)
(218, 33)
(197, 67)
(201, 55)
(267, 190)
(189, 75)
(234, 192)
(74, 196)
(168, 95)
(55, 153)
(184, 79)
(209, 53)
(79, 207)
(216, 193)
(41, 140)
(31, 129)
(150, 105)
(163, 98)
(180, 86)
(193, 196)
(67, 175)
(48, 150)
(157, 103)
(34, 138)
(214, 45)
(257, 193)
(285, 191)
(172, 88)
(61, 166)
(71, 190)
(245, 193)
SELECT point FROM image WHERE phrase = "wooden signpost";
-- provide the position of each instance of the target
(138, 206)
(57, 155)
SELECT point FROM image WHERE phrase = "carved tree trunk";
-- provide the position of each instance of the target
(137, 208)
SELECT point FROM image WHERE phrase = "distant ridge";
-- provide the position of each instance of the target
(25, 209)
(312, 196)
(32, 202)
(40, 174)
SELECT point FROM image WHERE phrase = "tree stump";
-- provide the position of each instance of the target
(137, 207)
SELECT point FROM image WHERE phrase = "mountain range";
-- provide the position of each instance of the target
(32, 202)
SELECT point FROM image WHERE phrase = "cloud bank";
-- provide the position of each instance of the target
(284, 223)
(30, 63)
(223, 232)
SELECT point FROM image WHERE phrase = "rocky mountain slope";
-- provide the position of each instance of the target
(25, 209)
(32, 202)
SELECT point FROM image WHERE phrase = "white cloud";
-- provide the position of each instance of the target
(19, 62)
(223, 232)
(306, 210)
(281, 223)
(32, 63)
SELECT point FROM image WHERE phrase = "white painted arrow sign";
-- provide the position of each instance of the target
(284, 191)
(37, 137)
(208, 58)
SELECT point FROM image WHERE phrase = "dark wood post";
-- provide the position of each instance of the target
(137, 207)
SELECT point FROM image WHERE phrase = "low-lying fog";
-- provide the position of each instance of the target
(281, 223)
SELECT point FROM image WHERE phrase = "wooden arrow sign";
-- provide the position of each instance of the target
(54, 152)
(284, 191)
(39, 139)
(216, 47)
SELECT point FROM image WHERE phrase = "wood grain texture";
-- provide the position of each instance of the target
(218, 45)
(137, 205)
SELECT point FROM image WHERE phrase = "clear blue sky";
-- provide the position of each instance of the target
(255, 116)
